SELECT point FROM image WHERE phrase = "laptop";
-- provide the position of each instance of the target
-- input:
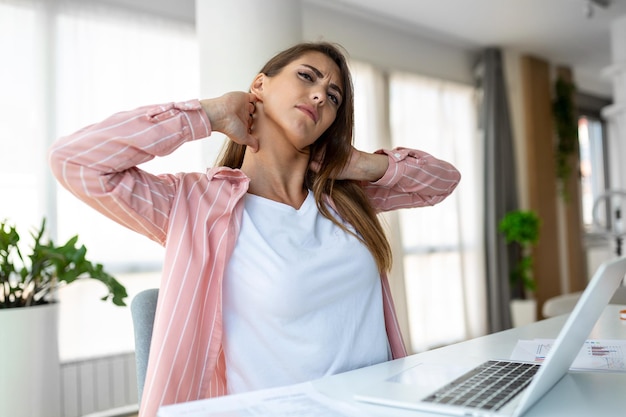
(501, 387)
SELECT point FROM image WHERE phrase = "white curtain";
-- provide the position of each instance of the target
(22, 128)
(439, 266)
(109, 60)
(67, 64)
(371, 132)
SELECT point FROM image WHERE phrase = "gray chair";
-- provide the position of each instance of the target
(564, 304)
(142, 309)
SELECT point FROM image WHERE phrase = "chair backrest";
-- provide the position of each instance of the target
(142, 309)
(564, 304)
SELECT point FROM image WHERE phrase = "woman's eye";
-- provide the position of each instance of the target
(305, 76)
(334, 98)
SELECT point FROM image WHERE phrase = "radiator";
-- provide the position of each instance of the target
(98, 384)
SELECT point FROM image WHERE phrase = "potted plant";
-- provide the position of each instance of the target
(29, 356)
(33, 280)
(521, 227)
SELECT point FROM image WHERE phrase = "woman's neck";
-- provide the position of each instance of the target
(277, 176)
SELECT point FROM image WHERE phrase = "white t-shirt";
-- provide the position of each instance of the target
(302, 299)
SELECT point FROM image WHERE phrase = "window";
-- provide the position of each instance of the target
(593, 171)
(442, 244)
(72, 64)
(594, 168)
(22, 130)
(109, 61)
(441, 247)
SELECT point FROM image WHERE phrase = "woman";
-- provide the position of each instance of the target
(275, 264)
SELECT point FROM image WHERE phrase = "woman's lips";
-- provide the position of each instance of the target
(309, 110)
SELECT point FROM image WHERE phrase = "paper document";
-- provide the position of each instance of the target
(595, 355)
(301, 400)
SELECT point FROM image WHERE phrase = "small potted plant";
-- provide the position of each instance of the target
(28, 314)
(32, 280)
(521, 227)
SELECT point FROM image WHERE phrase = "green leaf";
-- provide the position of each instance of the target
(522, 227)
(30, 280)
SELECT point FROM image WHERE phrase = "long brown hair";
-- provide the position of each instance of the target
(334, 146)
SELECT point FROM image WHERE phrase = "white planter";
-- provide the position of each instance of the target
(523, 312)
(29, 362)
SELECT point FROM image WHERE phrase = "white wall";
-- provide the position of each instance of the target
(376, 41)
(380, 43)
(180, 9)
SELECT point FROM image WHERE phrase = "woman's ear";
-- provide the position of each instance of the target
(257, 84)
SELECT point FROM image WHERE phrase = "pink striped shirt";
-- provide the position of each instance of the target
(197, 216)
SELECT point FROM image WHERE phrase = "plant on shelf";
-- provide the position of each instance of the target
(32, 279)
(521, 227)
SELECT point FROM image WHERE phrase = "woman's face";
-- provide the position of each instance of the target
(302, 100)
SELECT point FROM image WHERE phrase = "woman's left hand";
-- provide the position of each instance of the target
(361, 166)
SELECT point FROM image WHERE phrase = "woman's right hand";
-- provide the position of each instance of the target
(232, 114)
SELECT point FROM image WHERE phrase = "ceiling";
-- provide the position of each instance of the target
(558, 30)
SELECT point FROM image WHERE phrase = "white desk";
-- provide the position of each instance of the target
(578, 394)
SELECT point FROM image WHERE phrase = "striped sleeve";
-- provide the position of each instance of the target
(414, 179)
(98, 164)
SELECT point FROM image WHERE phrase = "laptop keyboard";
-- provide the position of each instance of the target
(489, 386)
